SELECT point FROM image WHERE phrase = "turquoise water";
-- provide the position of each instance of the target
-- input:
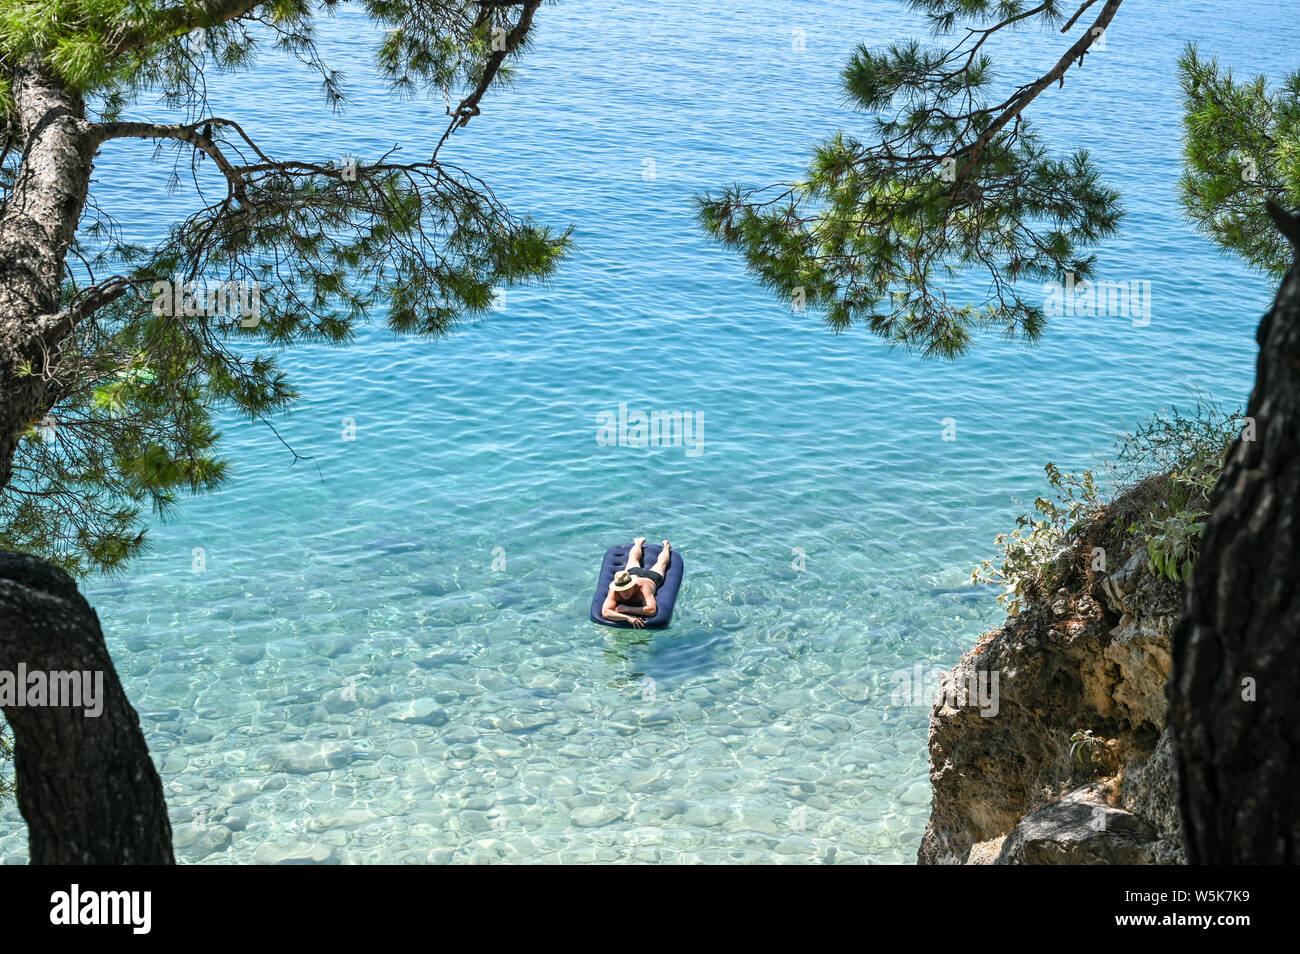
(382, 653)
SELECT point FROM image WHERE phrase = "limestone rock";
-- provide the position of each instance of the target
(1079, 829)
(1148, 791)
(1091, 654)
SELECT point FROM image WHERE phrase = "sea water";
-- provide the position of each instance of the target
(381, 653)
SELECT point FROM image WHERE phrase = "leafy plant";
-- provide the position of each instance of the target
(1171, 544)
(1100, 752)
(1080, 742)
(1032, 553)
(1186, 450)
(1191, 449)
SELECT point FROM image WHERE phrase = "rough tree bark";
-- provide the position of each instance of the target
(39, 221)
(86, 785)
(39, 217)
(37, 227)
(1236, 758)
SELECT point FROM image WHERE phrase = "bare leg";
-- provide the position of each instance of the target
(665, 555)
(634, 555)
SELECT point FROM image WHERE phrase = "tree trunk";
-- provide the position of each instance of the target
(86, 784)
(37, 227)
(1236, 757)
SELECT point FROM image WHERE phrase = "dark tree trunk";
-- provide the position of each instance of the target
(86, 785)
(37, 225)
(1236, 758)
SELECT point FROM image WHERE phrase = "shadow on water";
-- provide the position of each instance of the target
(668, 656)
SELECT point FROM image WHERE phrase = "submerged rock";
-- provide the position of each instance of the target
(593, 816)
(199, 841)
(305, 758)
(298, 853)
(420, 712)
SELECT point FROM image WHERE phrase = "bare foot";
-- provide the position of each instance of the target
(668, 547)
(638, 541)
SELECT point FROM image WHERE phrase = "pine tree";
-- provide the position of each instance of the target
(114, 357)
(1241, 148)
(953, 180)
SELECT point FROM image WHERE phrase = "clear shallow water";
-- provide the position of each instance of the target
(349, 678)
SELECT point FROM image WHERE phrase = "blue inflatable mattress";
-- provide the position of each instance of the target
(665, 597)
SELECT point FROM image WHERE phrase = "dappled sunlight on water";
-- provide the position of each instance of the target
(327, 664)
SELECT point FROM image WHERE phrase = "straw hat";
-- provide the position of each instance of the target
(623, 580)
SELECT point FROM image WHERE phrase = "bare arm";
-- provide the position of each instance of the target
(650, 608)
(609, 611)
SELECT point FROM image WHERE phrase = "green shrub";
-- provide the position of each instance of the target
(1034, 552)
(1177, 456)
(1191, 450)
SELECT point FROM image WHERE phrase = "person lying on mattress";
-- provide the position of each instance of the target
(631, 596)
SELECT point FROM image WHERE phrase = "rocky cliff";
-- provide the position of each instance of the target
(1091, 656)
